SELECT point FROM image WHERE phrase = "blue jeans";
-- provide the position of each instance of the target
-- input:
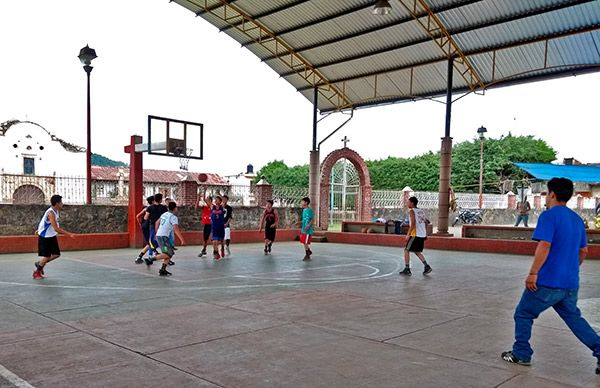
(564, 302)
(524, 217)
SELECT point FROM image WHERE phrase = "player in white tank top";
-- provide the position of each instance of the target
(47, 231)
(415, 238)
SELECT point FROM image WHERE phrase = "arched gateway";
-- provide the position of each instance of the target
(364, 198)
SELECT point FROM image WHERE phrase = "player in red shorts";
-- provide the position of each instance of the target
(308, 218)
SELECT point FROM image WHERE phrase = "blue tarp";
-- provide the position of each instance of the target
(577, 173)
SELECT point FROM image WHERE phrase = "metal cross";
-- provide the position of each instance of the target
(345, 140)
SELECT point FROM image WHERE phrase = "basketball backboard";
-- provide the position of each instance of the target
(173, 137)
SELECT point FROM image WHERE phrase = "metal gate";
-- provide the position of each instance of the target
(344, 192)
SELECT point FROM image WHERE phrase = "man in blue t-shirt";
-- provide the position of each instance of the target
(553, 280)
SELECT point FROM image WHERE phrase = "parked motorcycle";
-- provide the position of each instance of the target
(468, 216)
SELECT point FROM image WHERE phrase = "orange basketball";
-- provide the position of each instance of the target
(202, 177)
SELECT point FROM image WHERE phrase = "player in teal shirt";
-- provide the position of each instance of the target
(308, 218)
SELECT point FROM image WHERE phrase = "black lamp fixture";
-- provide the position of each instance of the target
(382, 7)
(481, 131)
(86, 55)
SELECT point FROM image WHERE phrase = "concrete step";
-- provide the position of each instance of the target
(318, 237)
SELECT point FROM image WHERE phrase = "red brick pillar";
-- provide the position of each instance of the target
(188, 192)
(366, 210)
(579, 202)
(537, 202)
(264, 192)
(512, 200)
(136, 192)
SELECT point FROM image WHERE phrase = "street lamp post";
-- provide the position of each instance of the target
(481, 131)
(86, 55)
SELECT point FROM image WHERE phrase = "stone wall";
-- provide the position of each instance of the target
(244, 218)
(18, 220)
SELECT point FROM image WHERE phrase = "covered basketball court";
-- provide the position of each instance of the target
(344, 55)
(346, 319)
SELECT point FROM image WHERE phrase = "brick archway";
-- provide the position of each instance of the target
(366, 189)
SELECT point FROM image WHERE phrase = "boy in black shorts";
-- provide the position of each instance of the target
(48, 229)
(142, 219)
(415, 238)
(153, 214)
(269, 220)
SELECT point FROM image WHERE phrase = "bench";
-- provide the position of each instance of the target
(513, 233)
(377, 227)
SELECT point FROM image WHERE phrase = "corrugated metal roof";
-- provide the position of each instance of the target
(576, 173)
(360, 59)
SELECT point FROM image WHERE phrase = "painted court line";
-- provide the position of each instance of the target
(122, 269)
(13, 378)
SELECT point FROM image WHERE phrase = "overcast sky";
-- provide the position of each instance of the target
(155, 57)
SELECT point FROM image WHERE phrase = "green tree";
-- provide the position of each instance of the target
(422, 172)
(278, 173)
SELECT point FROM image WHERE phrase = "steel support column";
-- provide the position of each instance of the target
(446, 161)
(313, 174)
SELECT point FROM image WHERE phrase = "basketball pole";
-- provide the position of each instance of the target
(136, 192)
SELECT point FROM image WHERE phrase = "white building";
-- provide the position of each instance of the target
(31, 159)
(35, 165)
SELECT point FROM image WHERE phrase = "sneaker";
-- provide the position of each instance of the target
(216, 256)
(306, 257)
(309, 252)
(427, 269)
(228, 251)
(266, 250)
(148, 261)
(269, 248)
(405, 271)
(139, 260)
(39, 267)
(37, 274)
(164, 272)
(174, 248)
(203, 253)
(171, 262)
(510, 357)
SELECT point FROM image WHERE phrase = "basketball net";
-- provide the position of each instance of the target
(184, 160)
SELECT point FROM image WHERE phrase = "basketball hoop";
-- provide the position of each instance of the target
(184, 160)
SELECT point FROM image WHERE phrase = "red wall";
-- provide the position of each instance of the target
(23, 244)
(16, 244)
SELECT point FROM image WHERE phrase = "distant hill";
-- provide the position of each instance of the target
(103, 161)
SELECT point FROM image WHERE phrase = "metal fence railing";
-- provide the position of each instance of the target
(288, 196)
(22, 189)
(28, 189)
(388, 199)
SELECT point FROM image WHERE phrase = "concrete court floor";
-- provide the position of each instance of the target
(346, 319)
